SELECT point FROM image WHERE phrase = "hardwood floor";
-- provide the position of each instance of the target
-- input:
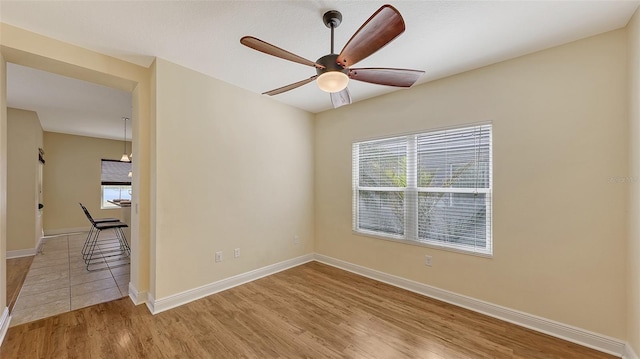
(17, 269)
(311, 311)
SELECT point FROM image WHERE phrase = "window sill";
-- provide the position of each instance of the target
(110, 207)
(424, 244)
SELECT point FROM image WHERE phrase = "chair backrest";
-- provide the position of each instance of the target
(86, 212)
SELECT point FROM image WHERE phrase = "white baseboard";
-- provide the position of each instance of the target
(55, 232)
(559, 330)
(629, 353)
(136, 297)
(149, 302)
(4, 323)
(26, 252)
(39, 245)
(21, 253)
(159, 305)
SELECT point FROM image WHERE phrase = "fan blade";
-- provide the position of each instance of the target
(290, 87)
(267, 48)
(382, 27)
(341, 98)
(388, 77)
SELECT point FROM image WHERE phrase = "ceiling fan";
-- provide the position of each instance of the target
(333, 71)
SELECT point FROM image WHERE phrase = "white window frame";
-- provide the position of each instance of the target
(411, 198)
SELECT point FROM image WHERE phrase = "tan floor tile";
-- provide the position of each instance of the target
(112, 247)
(78, 237)
(117, 262)
(42, 298)
(34, 288)
(43, 311)
(47, 248)
(78, 243)
(61, 241)
(61, 271)
(44, 270)
(51, 257)
(101, 296)
(96, 267)
(77, 265)
(79, 277)
(77, 261)
(122, 279)
(84, 288)
(111, 250)
(107, 235)
(113, 254)
(54, 252)
(47, 277)
(55, 246)
(124, 290)
(44, 261)
(120, 270)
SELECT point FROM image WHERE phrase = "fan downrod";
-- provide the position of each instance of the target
(332, 18)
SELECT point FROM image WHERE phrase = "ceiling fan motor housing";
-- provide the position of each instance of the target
(330, 63)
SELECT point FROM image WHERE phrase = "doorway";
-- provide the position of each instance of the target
(57, 279)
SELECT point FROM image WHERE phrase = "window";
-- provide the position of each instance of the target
(115, 182)
(430, 188)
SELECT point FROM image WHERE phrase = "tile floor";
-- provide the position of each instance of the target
(58, 280)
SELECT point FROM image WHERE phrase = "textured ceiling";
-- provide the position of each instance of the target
(442, 37)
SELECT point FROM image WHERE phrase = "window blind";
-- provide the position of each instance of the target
(115, 173)
(380, 170)
(431, 188)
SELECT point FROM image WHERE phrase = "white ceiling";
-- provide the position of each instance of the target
(442, 38)
(68, 105)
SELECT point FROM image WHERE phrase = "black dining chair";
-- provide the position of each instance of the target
(91, 243)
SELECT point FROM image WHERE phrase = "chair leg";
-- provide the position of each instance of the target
(92, 246)
(123, 241)
(107, 247)
(86, 241)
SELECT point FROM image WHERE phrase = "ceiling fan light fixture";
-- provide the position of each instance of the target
(333, 81)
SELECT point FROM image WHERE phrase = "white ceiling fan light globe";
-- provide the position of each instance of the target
(332, 81)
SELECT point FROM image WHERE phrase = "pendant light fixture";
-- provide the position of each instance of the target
(125, 157)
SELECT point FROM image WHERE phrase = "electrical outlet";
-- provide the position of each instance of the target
(427, 261)
(236, 252)
(218, 257)
(296, 240)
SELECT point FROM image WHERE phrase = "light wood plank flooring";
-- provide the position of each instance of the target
(17, 269)
(311, 311)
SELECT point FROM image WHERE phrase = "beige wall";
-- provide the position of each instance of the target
(559, 120)
(233, 169)
(633, 283)
(23, 140)
(72, 175)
